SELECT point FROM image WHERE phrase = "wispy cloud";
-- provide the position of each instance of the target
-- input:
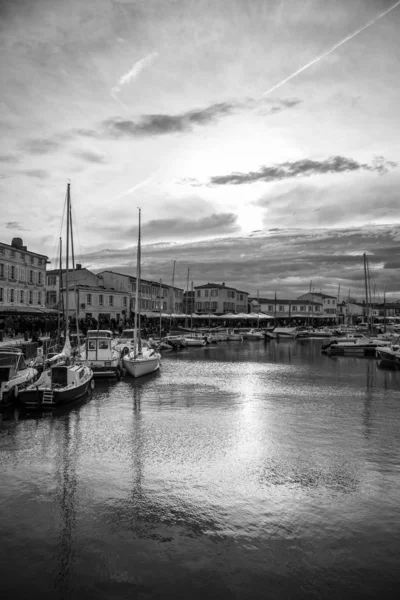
(133, 73)
(135, 187)
(36, 173)
(162, 124)
(41, 146)
(91, 156)
(15, 225)
(303, 168)
(8, 158)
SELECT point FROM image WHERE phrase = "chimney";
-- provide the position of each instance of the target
(223, 283)
(78, 266)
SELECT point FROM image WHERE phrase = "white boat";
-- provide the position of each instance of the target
(196, 339)
(102, 354)
(285, 332)
(234, 336)
(140, 360)
(253, 334)
(15, 374)
(354, 345)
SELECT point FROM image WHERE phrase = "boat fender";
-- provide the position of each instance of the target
(92, 384)
(16, 391)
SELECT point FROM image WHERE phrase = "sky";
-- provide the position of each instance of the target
(258, 137)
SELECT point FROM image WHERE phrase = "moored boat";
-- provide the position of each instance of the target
(15, 374)
(253, 334)
(101, 353)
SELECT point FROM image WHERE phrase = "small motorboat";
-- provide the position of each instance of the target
(15, 374)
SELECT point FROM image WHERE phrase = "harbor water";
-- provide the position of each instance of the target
(238, 470)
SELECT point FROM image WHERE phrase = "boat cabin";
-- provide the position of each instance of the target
(11, 361)
(98, 349)
(99, 333)
(63, 375)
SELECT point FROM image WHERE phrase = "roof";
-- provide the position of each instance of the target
(284, 301)
(141, 279)
(63, 271)
(23, 250)
(220, 286)
(319, 294)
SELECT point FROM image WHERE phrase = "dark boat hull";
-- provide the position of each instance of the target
(35, 398)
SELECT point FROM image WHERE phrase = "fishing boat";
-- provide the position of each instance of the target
(15, 374)
(285, 332)
(101, 353)
(60, 383)
(140, 360)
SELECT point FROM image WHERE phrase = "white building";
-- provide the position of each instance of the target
(22, 279)
(219, 298)
(329, 303)
(283, 308)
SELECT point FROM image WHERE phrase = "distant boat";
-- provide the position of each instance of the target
(285, 332)
(253, 334)
(140, 360)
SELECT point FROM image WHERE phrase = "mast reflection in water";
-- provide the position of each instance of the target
(245, 470)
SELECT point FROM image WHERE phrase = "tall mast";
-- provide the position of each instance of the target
(187, 298)
(258, 303)
(67, 266)
(160, 310)
(173, 296)
(384, 309)
(76, 292)
(337, 305)
(366, 288)
(136, 335)
(59, 295)
(191, 308)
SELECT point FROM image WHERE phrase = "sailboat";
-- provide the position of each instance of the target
(140, 361)
(61, 383)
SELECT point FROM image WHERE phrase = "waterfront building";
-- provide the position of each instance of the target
(22, 279)
(220, 298)
(329, 303)
(171, 298)
(287, 308)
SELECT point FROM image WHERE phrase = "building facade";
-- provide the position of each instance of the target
(22, 279)
(281, 308)
(219, 298)
(329, 303)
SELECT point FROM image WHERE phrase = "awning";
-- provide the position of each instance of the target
(27, 310)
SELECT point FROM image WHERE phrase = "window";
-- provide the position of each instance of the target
(51, 279)
(281, 308)
(12, 272)
(110, 300)
(12, 253)
(270, 307)
(39, 297)
(92, 345)
(31, 297)
(89, 299)
(21, 274)
(1, 270)
(101, 300)
(241, 297)
(30, 276)
(40, 261)
(206, 293)
(333, 301)
(294, 308)
(11, 295)
(207, 305)
(21, 296)
(32, 260)
(1, 250)
(328, 301)
(1, 293)
(125, 301)
(301, 308)
(198, 305)
(214, 305)
(39, 278)
(198, 292)
(309, 308)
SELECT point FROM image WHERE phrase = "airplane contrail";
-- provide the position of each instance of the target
(332, 49)
(135, 187)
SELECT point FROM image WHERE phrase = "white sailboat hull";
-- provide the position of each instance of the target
(139, 366)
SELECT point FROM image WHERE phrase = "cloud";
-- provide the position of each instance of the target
(162, 124)
(134, 72)
(36, 173)
(303, 168)
(91, 156)
(284, 260)
(41, 146)
(8, 158)
(15, 225)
